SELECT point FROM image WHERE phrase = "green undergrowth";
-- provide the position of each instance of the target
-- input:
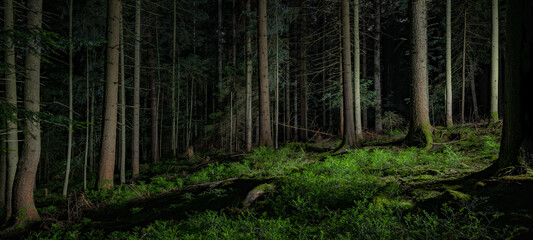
(370, 193)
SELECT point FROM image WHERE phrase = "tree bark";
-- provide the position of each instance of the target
(463, 96)
(276, 113)
(494, 62)
(11, 98)
(302, 74)
(419, 125)
(517, 138)
(249, 75)
(449, 94)
(265, 133)
(109, 141)
(136, 91)
(24, 211)
(377, 66)
(87, 119)
(174, 135)
(70, 103)
(357, 74)
(349, 133)
(3, 172)
(122, 105)
(153, 102)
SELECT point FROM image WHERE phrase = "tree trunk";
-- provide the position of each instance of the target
(109, 141)
(472, 78)
(377, 65)
(174, 134)
(249, 75)
(136, 91)
(302, 74)
(495, 60)
(419, 124)
(365, 76)
(463, 96)
(11, 98)
(153, 102)
(449, 94)
(517, 138)
(87, 119)
(70, 105)
(24, 211)
(276, 113)
(349, 134)
(265, 135)
(122, 105)
(357, 74)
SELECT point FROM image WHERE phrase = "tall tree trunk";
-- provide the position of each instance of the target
(87, 119)
(70, 105)
(24, 211)
(153, 101)
(265, 133)
(122, 105)
(109, 137)
(357, 74)
(377, 65)
(249, 75)
(276, 113)
(11, 98)
(173, 83)
(349, 134)
(136, 91)
(419, 124)
(517, 137)
(472, 78)
(303, 74)
(364, 75)
(495, 61)
(449, 94)
(463, 96)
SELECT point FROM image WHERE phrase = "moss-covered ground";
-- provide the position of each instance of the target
(301, 191)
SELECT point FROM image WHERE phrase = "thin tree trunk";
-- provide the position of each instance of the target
(249, 75)
(419, 124)
(265, 135)
(377, 65)
(349, 134)
(276, 116)
(11, 98)
(24, 211)
(357, 75)
(341, 77)
(70, 104)
(109, 137)
(464, 72)
(136, 91)
(449, 95)
(473, 90)
(153, 103)
(365, 76)
(87, 119)
(122, 106)
(173, 84)
(494, 61)
(303, 75)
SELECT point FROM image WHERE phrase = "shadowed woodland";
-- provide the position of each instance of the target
(256, 119)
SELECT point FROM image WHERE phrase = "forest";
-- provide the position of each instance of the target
(256, 119)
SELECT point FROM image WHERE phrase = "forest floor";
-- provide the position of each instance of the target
(301, 191)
